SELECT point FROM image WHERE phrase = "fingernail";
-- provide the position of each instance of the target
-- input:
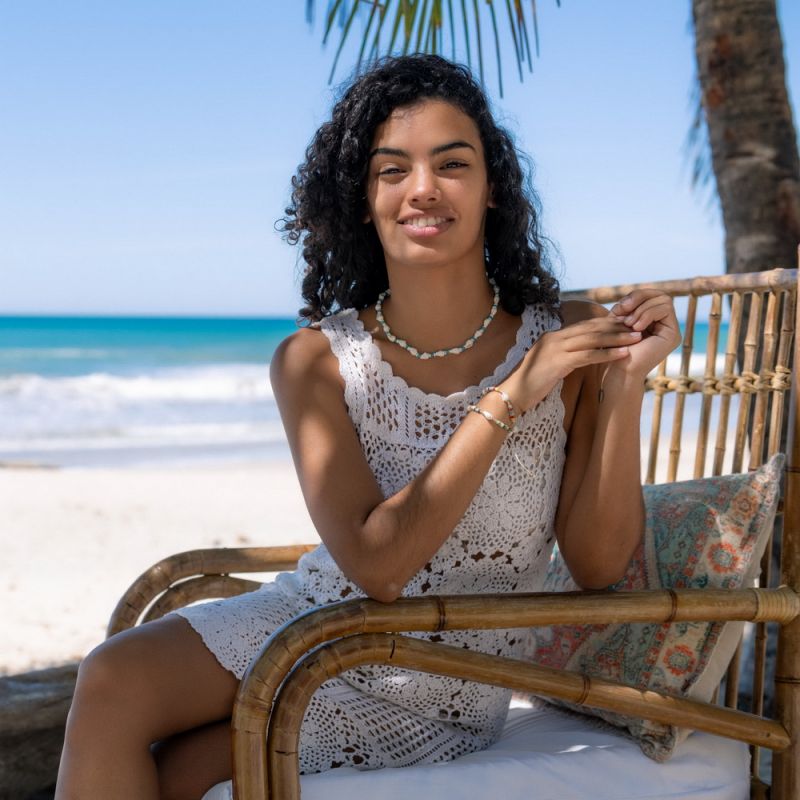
(634, 333)
(628, 319)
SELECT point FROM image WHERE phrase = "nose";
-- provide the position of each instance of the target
(425, 188)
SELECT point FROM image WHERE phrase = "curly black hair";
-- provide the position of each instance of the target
(345, 264)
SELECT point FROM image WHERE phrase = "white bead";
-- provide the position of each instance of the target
(424, 356)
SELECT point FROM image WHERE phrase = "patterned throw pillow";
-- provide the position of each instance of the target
(700, 533)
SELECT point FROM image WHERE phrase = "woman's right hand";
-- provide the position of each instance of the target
(555, 354)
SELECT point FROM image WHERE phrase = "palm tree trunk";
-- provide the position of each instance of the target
(753, 141)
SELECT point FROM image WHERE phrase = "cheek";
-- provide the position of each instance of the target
(385, 208)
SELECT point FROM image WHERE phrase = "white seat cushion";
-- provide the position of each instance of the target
(547, 754)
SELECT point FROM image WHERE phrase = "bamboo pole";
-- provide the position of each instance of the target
(728, 378)
(680, 398)
(732, 678)
(783, 370)
(655, 428)
(768, 280)
(757, 438)
(734, 669)
(769, 340)
(714, 317)
(354, 651)
(748, 366)
(786, 766)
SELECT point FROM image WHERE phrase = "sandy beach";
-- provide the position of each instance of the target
(74, 539)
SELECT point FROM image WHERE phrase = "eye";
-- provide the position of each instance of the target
(390, 171)
(454, 164)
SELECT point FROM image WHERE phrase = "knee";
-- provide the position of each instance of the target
(101, 673)
(110, 679)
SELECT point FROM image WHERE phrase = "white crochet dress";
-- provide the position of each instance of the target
(384, 716)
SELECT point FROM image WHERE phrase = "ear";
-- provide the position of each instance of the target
(366, 219)
(491, 203)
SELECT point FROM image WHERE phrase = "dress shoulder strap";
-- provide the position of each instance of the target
(352, 346)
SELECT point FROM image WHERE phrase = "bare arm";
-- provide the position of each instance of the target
(601, 517)
(380, 543)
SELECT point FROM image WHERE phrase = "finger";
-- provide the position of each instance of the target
(655, 319)
(603, 356)
(627, 304)
(592, 341)
(595, 324)
(654, 308)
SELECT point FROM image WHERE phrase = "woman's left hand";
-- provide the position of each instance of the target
(652, 314)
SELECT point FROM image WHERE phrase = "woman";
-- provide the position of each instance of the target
(448, 421)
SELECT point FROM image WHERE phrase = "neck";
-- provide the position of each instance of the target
(435, 309)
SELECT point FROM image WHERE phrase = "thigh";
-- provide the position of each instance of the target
(162, 676)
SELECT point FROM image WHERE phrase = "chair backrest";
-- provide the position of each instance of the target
(729, 392)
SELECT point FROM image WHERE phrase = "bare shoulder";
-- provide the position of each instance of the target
(303, 359)
(578, 310)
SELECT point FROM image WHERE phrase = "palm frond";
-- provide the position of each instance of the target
(517, 44)
(452, 30)
(535, 26)
(334, 7)
(697, 150)
(466, 32)
(497, 47)
(419, 26)
(480, 48)
(365, 40)
(346, 30)
(524, 28)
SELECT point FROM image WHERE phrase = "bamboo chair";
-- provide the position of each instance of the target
(758, 354)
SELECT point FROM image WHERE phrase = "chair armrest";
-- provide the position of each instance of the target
(330, 660)
(259, 688)
(197, 574)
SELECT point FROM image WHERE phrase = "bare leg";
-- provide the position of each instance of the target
(177, 760)
(139, 687)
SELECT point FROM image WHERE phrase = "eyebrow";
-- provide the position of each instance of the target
(393, 151)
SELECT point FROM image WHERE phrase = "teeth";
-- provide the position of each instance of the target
(424, 222)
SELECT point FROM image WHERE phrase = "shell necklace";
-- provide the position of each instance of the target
(451, 351)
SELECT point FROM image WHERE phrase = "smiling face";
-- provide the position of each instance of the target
(427, 188)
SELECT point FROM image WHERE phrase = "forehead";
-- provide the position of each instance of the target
(427, 121)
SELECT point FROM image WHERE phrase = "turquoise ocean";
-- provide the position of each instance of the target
(135, 391)
(141, 391)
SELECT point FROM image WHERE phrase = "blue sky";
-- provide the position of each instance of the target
(147, 147)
